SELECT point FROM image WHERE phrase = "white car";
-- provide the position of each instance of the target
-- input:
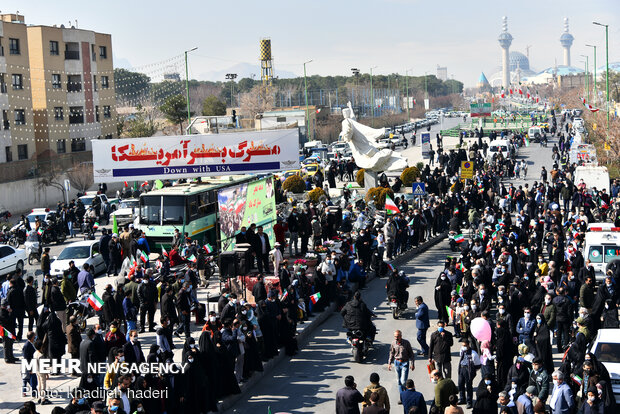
(11, 259)
(606, 348)
(126, 211)
(42, 214)
(81, 252)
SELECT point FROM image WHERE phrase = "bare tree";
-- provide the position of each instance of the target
(81, 176)
(259, 99)
(52, 177)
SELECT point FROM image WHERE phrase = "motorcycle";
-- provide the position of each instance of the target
(18, 235)
(210, 266)
(360, 344)
(82, 310)
(88, 228)
(33, 248)
(52, 233)
(398, 308)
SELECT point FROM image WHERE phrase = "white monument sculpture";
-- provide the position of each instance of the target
(362, 139)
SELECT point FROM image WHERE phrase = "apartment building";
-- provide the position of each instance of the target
(16, 126)
(73, 97)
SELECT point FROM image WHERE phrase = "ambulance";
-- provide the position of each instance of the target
(602, 247)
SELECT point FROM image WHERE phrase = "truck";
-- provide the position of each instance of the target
(593, 176)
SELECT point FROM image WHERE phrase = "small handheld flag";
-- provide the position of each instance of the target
(315, 298)
(390, 267)
(95, 301)
(390, 206)
(285, 295)
(459, 238)
(96, 225)
(164, 252)
(525, 251)
(192, 258)
(5, 332)
(143, 257)
(208, 248)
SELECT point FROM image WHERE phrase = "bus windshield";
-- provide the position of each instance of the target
(173, 211)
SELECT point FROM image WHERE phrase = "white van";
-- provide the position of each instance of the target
(602, 247)
(535, 133)
(499, 145)
(593, 177)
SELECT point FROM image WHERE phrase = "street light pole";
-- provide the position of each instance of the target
(372, 99)
(356, 75)
(595, 96)
(306, 88)
(606, 68)
(586, 80)
(407, 86)
(189, 114)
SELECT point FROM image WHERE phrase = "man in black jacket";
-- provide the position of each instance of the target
(87, 351)
(147, 294)
(8, 322)
(58, 304)
(356, 315)
(184, 306)
(261, 248)
(132, 349)
(441, 341)
(348, 398)
(17, 303)
(30, 298)
(258, 291)
(114, 255)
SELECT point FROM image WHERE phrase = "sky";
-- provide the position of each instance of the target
(391, 35)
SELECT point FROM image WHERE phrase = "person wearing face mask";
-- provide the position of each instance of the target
(78, 402)
(486, 395)
(147, 295)
(562, 400)
(548, 311)
(328, 270)
(444, 389)
(110, 378)
(184, 307)
(592, 403)
(517, 378)
(440, 354)
(539, 378)
(442, 294)
(610, 314)
(133, 349)
(525, 327)
(483, 298)
(231, 309)
(542, 342)
(469, 363)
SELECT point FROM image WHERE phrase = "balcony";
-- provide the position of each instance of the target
(72, 55)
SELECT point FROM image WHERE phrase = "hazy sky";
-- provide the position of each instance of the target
(393, 35)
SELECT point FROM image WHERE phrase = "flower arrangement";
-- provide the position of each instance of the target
(311, 256)
(300, 262)
(320, 249)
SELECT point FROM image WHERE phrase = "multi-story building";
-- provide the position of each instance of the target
(73, 97)
(16, 126)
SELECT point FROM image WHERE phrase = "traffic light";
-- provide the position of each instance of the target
(234, 117)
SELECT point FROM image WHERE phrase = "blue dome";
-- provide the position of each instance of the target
(518, 60)
(563, 70)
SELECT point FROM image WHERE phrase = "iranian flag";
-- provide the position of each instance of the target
(590, 107)
(456, 210)
(5, 332)
(520, 91)
(164, 252)
(95, 301)
(126, 184)
(40, 231)
(192, 258)
(503, 95)
(143, 257)
(526, 141)
(96, 225)
(525, 251)
(315, 298)
(459, 238)
(285, 295)
(390, 267)
(390, 206)
(208, 248)
(460, 266)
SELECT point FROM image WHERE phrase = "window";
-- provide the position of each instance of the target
(106, 111)
(108, 136)
(95, 83)
(74, 83)
(1, 48)
(56, 81)
(58, 113)
(72, 51)
(17, 80)
(9, 154)
(14, 46)
(76, 115)
(96, 113)
(22, 152)
(105, 82)
(20, 117)
(92, 53)
(5, 119)
(103, 52)
(2, 83)
(78, 144)
(61, 146)
(54, 51)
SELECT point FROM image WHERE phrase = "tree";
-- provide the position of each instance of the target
(52, 177)
(175, 110)
(141, 125)
(130, 86)
(212, 106)
(81, 176)
(256, 101)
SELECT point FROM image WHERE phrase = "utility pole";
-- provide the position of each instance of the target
(231, 77)
(306, 88)
(356, 75)
(606, 69)
(595, 96)
(189, 114)
(407, 86)
(586, 80)
(372, 99)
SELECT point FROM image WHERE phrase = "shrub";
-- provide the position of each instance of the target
(409, 175)
(316, 194)
(377, 195)
(420, 165)
(294, 184)
(359, 177)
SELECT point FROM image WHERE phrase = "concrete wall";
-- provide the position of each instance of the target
(23, 195)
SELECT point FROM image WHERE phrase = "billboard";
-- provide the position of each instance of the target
(426, 144)
(137, 159)
(482, 109)
(244, 204)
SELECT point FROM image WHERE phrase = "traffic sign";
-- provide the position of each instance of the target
(467, 170)
(418, 189)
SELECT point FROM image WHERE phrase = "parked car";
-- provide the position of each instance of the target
(87, 200)
(126, 211)
(606, 348)
(43, 214)
(81, 252)
(11, 259)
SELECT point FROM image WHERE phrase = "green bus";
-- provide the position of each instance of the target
(190, 207)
